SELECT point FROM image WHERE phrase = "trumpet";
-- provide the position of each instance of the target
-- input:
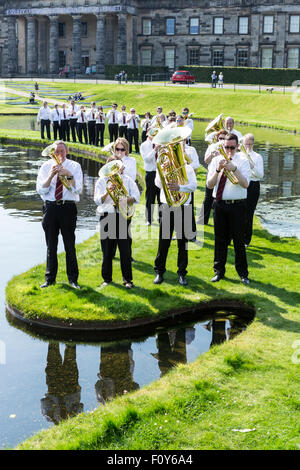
(119, 195)
(50, 152)
(232, 178)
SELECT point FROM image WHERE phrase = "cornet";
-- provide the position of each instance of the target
(50, 152)
(232, 178)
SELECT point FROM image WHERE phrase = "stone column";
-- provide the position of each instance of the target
(42, 45)
(122, 40)
(53, 44)
(100, 45)
(280, 40)
(134, 41)
(254, 48)
(12, 49)
(76, 50)
(31, 45)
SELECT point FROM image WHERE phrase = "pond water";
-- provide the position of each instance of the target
(43, 381)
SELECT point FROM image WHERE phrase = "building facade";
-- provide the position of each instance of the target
(42, 36)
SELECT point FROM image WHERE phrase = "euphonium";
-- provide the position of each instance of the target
(50, 152)
(111, 171)
(171, 162)
(232, 178)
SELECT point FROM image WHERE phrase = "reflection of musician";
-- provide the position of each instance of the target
(114, 227)
(229, 208)
(257, 173)
(63, 398)
(116, 372)
(100, 127)
(171, 347)
(178, 219)
(123, 116)
(133, 130)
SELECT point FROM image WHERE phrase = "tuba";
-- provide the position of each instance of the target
(50, 152)
(213, 127)
(111, 171)
(232, 178)
(171, 162)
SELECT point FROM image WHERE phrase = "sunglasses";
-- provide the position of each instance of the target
(230, 147)
(120, 150)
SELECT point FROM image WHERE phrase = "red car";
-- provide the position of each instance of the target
(182, 76)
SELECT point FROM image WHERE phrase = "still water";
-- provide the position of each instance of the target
(43, 381)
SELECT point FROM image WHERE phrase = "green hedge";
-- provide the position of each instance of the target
(246, 75)
(135, 72)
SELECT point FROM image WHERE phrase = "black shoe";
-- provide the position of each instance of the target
(182, 281)
(217, 278)
(74, 285)
(245, 280)
(159, 279)
(47, 284)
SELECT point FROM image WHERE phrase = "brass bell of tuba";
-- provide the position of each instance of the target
(50, 152)
(111, 171)
(213, 127)
(171, 162)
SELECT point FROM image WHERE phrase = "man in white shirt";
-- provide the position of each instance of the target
(44, 119)
(188, 122)
(100, 127)
(128, 161)
(60, 211)
(178, 219)
(65, 124)
(133, 130)
(195, 164)
(123, 124)
(82, 125)
(113, 123)
(73, 110)
(149, 155)
(114, 228)
(253, 190)
(145, 125)
(229, 207)
(91, 123)
(229, 126)
(55, 120)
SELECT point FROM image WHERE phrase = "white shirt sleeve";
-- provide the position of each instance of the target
(258, 170)
(191, 185)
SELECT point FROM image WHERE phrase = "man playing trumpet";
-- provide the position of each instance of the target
(59, 184)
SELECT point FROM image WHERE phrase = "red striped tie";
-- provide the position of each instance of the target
(59, 189)
(221, 187)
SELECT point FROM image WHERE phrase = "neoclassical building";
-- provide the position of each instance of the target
(41, 36)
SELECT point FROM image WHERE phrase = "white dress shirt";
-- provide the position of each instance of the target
(110, 116)
(129, 166)
(108, 204)
(100, 118)
(64, 115)
(91, 114)
(73, 111)
(192, 153)
(44, 113)
(189, 123)
(123, 116)
(133, 119)
(190, 187)
(144, 124)
(237, 133)
(55, 115)
(148, 155)
(81, 117)
(231, 191)
(257, 173)
(48, 194)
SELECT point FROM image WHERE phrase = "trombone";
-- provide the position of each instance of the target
(50, 152)
(244, 151)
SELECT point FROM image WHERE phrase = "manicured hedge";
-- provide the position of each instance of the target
(246, 75)
(135, 72)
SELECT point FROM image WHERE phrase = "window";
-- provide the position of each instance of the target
(293, 58)
(146, 57)
(61, 59)
(268, 24)
(170, 57)
(194, 57)
(294, 24)
(267, 57)
(217, 57)
(243, 25)
(170, 26)
(218, 25)
(194, 25)
(84, 30)
(61, 30)
(146, 25)
(242, 58)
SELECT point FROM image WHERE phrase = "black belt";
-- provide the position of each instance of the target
(232, 201)
(62, 202)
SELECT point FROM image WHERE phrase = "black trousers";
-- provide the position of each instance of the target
(45, 123)
(123, 131)
(82, 129)
(65, 130)
(114, 232)
(92, 132)
(113, 130)
(229, 224)
(144, 136)
(99, 134)
(60, 218)
(207, 204)
(133, 135)
(152, 193)
(180, 220)
(253, 192)
(73, 126)
(56, 130)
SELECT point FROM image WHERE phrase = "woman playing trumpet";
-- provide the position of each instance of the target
(114, 227)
